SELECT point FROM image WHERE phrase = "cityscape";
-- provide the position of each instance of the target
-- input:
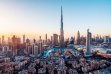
(56, 54)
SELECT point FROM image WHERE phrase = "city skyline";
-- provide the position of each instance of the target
(41, 17)
(55, 37)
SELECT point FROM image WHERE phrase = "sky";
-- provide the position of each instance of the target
(38, 17)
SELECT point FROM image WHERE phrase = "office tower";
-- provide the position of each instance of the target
(71, 40)
(35, 50)
(0, 40)
(55, 39)
(40, 48)
(46, 39)
(29, 49)
(40, 39)
(51, 39)
(61, 31)
(23, 39)
(88, 39)
(74, 39)
(106, 39)
(32, 51)
(78, 38)
(10, 43)
(3, 40)
(14, 45)
(40, 45)
(27, 45)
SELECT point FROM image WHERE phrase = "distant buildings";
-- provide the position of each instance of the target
(69, 61)
(15, 44)
(80, 40)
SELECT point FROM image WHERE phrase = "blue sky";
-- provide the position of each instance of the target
(43, 16)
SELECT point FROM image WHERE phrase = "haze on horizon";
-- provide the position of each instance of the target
(43, 16)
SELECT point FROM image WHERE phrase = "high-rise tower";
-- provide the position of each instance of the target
(61, 31)
(23, 38)
(46, 39)
(78, 38)
(88, 39)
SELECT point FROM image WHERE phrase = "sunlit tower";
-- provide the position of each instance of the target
(55, 39)
(46, 39)
(88, 41)
(40, 45)
(3, 40)
(78, 38)
(61, 31)
(23, 38)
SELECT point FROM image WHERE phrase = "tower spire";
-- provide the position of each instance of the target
(61, 30)
(61, 17)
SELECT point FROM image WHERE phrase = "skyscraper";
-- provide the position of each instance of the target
(23, 38)
(40, 45)
(78, 38)
(14, 45)
(0, 40)
(88, 39)
(46, 39)
(61, 31)
(3, 40)
(107, 39)
(55, 39)
(27, 45)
